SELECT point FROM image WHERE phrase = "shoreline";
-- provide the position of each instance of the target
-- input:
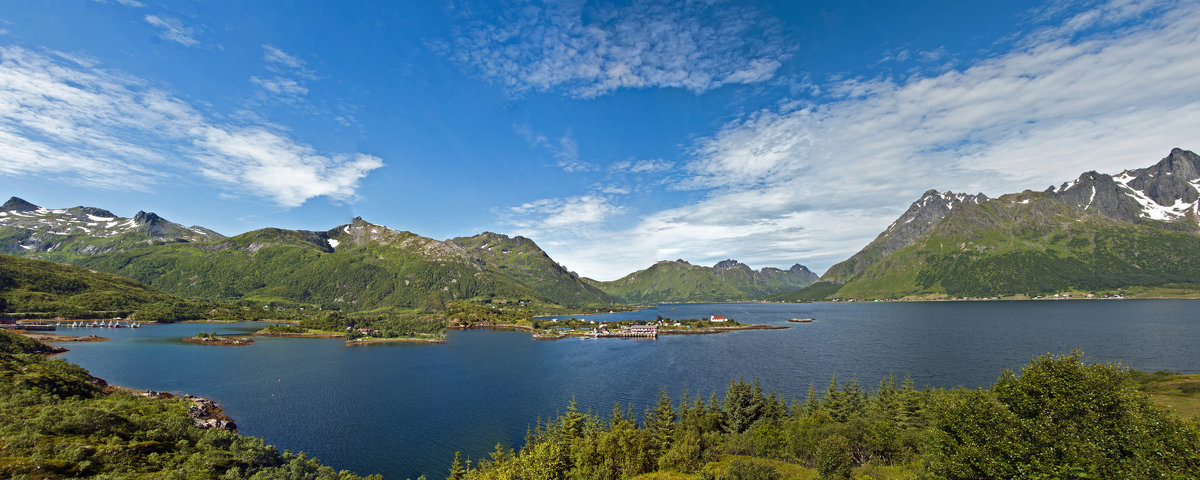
(56, 338)
(238, 341)
(351, 343)
(369, 341)
(661, 332)
(261, 333)
(291, 322)
(1008, 299)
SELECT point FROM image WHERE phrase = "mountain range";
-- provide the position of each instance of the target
(680, 281)
(1098, 233)
(1138, 229)
(357, 266)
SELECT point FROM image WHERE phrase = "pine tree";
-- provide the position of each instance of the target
(834, 401)
(661, 423)
(812, 404)
(457, 472)
(853, 397)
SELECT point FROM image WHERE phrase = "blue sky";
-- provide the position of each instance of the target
(614, 134)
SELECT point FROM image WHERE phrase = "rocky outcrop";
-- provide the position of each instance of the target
(206, 414)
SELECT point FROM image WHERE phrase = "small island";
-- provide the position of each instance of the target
(45, 337)
(352, 336)
(204, 338)
(555, 329)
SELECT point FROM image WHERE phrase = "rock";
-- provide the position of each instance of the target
(206, 414)
(15, 204)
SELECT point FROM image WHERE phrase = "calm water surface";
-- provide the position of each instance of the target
(403, 410)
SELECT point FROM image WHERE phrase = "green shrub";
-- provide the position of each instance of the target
(834, 458)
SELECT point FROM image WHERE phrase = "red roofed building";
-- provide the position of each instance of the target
(718, 318)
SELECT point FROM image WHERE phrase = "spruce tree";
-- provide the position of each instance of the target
(457, 472)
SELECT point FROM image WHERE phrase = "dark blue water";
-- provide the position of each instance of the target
(403, 410)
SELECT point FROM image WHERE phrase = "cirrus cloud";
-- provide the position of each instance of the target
(588, 50)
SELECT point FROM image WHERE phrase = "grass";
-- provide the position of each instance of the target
(791, 471)
(665, 476)
(1178, 393)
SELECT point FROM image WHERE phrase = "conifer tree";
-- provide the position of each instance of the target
(661, 423)
(457, 472)
(834, 401)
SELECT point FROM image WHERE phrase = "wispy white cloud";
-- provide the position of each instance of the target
(283, 88)
(814, 182)
(565, 149)
(290, 74)
(127, 3)
(641, 166)
(173, 29)
(586, 49)
(64, 118)
(274, 55)
(561, 214)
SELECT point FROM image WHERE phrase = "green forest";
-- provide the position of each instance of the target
(1058, 418)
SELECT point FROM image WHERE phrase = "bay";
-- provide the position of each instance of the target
(404, 409)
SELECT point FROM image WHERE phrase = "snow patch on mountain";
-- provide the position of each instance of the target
(1150, 208)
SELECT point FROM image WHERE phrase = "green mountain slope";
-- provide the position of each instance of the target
(521, 259)
(358, 266)
(1029, 244)
(37, 286)
(921, 216)
(1098, 232)
(680, 281)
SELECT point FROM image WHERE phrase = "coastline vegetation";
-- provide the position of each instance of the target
(1060, 417)
(58, 422)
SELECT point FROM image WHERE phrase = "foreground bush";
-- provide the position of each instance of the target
(1061, 418)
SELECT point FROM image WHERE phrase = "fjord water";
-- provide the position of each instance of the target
(404, 409)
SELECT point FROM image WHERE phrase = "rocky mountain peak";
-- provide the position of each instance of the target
(1167, 191)
(798, 268)
(921, 216)
(144, 218)
(726, 264)
(15, 204)
(928, 210)
(97, 212)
